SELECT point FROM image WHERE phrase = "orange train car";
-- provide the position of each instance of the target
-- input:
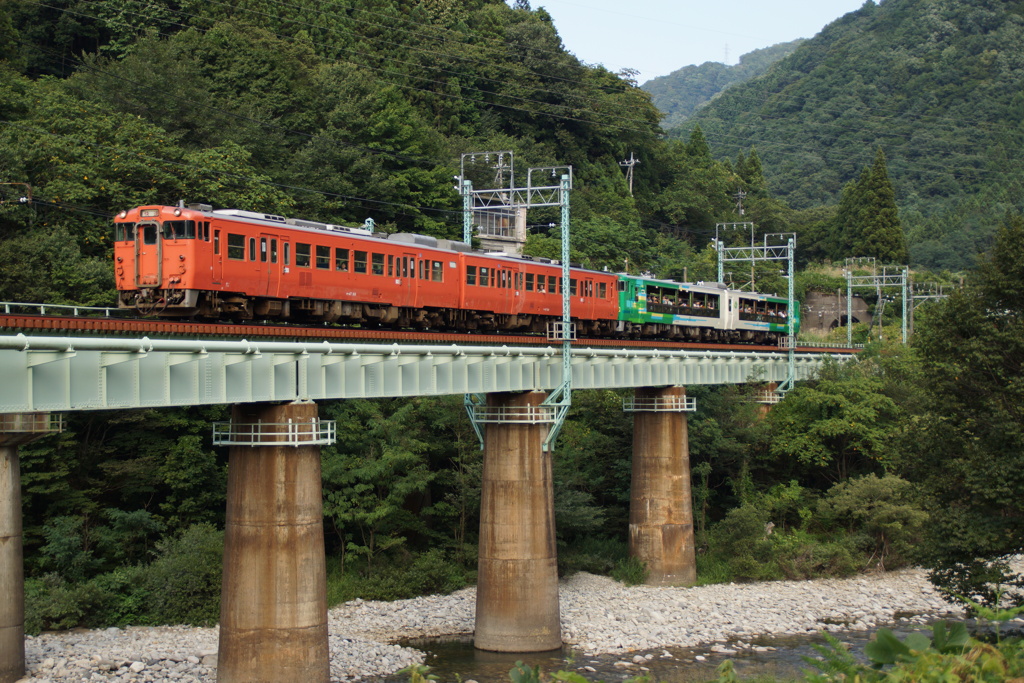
(192, 261)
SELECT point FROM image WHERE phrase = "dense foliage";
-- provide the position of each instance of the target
(683, 91)
(933, 83)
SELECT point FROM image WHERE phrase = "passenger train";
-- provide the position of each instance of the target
(194, 262)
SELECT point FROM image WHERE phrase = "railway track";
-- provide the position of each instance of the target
(11, 322)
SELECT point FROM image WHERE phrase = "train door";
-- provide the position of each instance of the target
(405, 278)
(218, 257)
(149, 255)
(270, 264)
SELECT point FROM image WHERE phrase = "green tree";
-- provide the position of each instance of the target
(969, 458)
(867, 221)
(375, 475)
(841, 424)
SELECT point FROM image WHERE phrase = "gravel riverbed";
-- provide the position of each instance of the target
(599, 616)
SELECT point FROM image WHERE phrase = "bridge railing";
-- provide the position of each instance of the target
(514, 414)
(664, 404)
(12, 308)
(316, 432)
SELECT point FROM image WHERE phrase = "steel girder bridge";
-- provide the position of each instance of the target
(58, 374)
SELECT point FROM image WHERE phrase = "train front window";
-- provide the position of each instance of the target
(149, 233)
(124, 232)
(179, 230)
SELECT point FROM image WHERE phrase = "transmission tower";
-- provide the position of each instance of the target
(507, 196)
(890, 276)
(772, 249)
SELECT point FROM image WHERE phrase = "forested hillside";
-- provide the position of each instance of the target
(681, 92)
(936, 84)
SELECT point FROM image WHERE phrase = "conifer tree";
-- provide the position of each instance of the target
(867, 221)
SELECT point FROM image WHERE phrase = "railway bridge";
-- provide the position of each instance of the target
(273, 607)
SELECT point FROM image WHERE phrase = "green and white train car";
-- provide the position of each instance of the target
(710, 312)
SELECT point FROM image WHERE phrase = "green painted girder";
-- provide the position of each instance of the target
(89, 373)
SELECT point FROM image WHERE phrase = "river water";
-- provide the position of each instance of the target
(454, 659)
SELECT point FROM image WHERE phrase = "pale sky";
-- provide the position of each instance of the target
(657, 37)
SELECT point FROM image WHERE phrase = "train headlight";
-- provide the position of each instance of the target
(124, 214)
(177, 212)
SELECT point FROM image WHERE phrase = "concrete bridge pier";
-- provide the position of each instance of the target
(517, 587)
(273, 615)
(15, 429)
(661, 508)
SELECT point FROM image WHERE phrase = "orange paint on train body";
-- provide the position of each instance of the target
(193, 261)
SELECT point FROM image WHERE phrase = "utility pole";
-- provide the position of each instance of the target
(629, 164)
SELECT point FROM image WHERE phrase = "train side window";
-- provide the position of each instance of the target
(377, 264)
(236, 247)
(572, 286)
(302, 252)
(529, 282)
(437, 271)
(412, 267)
(323, 257)
(424, 269)
(360, 262)
(541, 280)
(206, 231)
(602, 290)
(216, 241)
(252, 248)
(287, 253)
(470, 275)
(391, 265)
(263, 249)
(341, 259)
(552, 284)
(485, 277)
(621, 286)
(273, 251)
